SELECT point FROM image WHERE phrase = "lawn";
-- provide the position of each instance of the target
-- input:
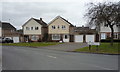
(103, 48)
(34, 44)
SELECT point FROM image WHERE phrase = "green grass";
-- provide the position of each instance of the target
(103, 48)
(34, 44)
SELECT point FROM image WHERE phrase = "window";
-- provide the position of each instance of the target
(103, 35)
(34, 37)
(53, 27)
(27, 28)
(108, 35)
(55, 37)
(63, 27)
(115, 35)
(31, 28)
(36, 28)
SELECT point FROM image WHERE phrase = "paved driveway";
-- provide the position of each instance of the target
(66, 46)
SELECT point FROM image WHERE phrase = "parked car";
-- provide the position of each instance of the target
(1, 40)
(6, 40)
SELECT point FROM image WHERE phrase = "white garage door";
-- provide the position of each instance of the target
(16, 39)
(78, 38)
(90, 38)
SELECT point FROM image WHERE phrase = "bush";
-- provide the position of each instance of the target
(108, 40)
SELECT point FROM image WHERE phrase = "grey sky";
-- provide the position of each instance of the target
(17, 13)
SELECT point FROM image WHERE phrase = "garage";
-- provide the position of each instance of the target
(16, 39)
(78, 38)
(90, 38)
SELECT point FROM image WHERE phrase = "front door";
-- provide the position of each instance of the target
(66, 38)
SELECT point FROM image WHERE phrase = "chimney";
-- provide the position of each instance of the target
(82, 26)
(40, 19)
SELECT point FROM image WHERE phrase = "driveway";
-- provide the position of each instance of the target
(66, 46)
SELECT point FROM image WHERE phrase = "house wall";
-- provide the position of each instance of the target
(71, 30)
(69, 39)
(9, 32)
(105, 35)
(44, 34)
(105, 32)
(32, 23)
(58, 22)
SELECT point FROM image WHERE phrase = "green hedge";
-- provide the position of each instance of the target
(108, 40)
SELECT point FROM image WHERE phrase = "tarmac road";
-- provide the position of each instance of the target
(27, 58)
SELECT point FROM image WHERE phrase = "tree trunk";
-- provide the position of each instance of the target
(112, 35)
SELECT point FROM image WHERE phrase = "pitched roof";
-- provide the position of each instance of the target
(6, 25)
(41, 22)
(81, 28)
(66, 21)
(84, 30)
(62, 19)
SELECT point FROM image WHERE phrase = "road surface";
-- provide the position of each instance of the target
(27, 58)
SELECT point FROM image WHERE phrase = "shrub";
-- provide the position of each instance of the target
(108, 40)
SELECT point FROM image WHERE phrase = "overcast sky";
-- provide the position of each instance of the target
(17, 12)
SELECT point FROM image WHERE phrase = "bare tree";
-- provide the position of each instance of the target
(104, 13)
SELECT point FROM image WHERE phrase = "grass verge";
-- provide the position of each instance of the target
(34, 44)
(105, 48)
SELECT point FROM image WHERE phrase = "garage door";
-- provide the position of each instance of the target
(16, 39)
(78, 38)
(90, 38)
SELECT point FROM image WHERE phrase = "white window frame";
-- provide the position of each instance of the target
(63, 27)
(32, 28)
(116, 34)
(36, 28)
(56, 38)
(53, 27)
(27, 28)
(34, 38)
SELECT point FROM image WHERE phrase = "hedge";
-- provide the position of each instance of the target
(108, 40)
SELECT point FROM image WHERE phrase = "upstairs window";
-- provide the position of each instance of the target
(63, 27)
(53, 27)
(36, 28)
(31, 28)
(27, 28)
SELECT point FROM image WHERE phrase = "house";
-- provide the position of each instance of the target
(85, 34)
(35, 30)
(105, 32)
(59, 29)
(9, 31)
